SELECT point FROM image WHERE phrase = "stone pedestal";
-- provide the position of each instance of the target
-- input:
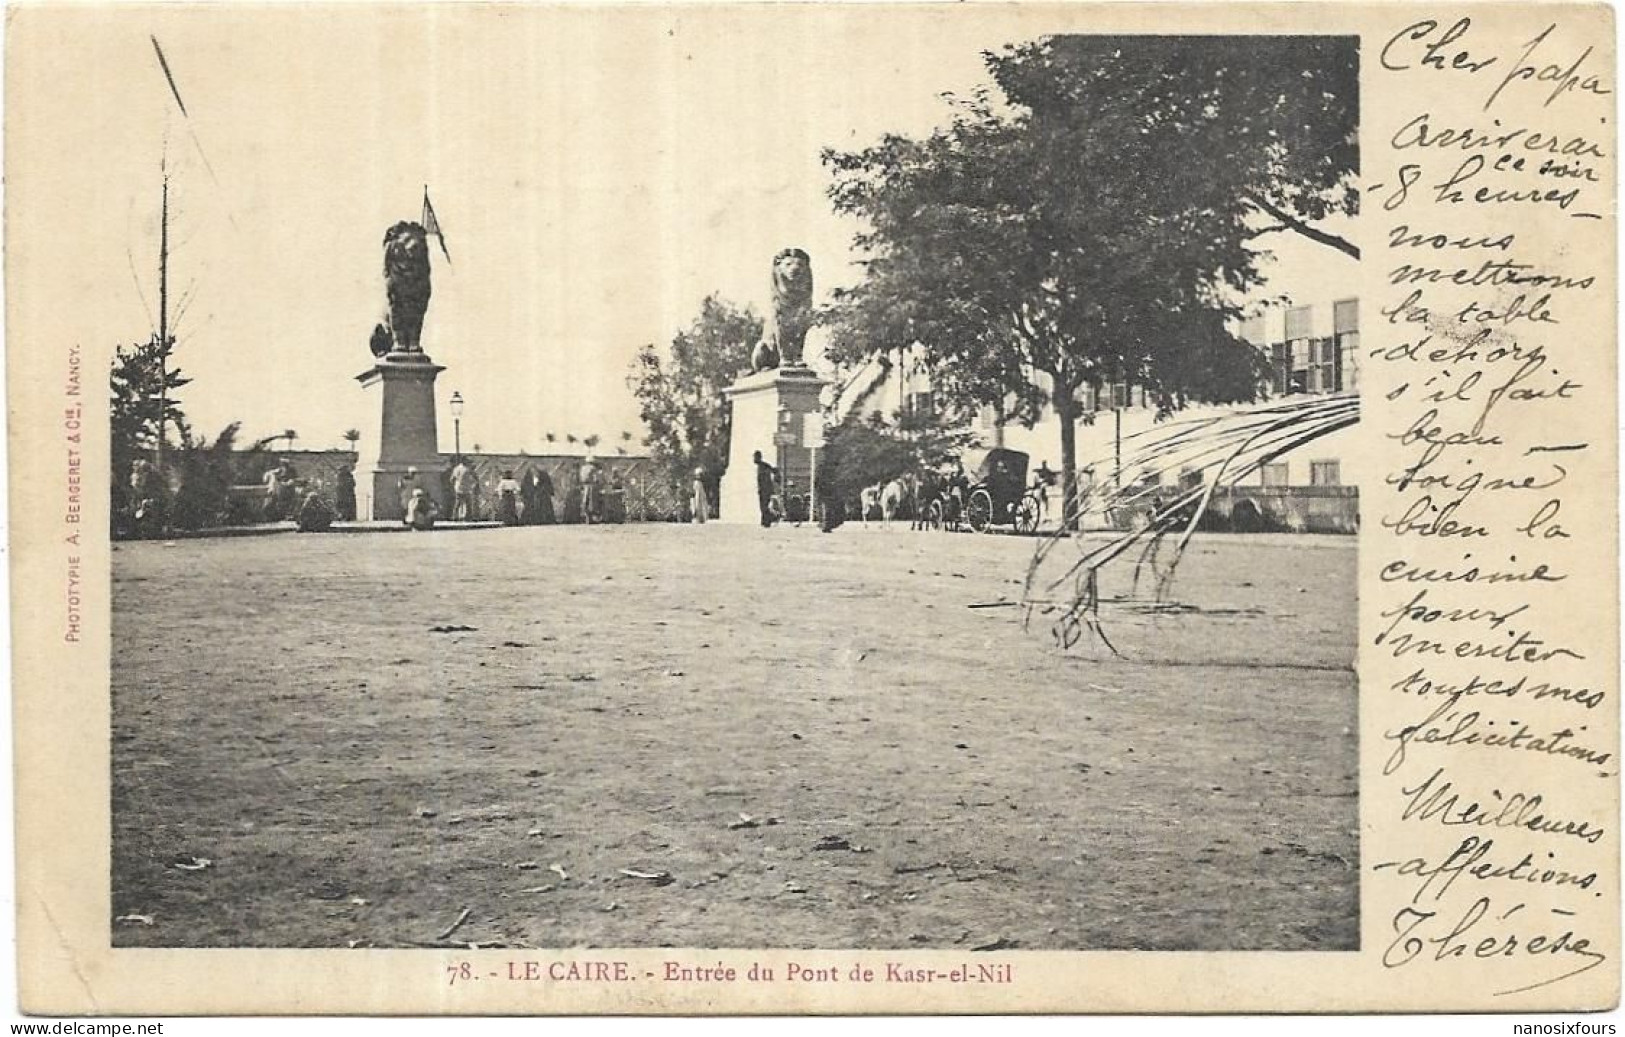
(769, 408)
(407, 437)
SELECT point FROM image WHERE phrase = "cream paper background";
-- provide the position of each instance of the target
(55, 107)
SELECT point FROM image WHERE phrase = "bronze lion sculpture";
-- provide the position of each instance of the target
(786, 333)
(406, 286)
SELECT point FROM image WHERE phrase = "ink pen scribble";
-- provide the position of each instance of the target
(1555, 448)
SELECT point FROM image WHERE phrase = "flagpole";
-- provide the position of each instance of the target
(163, 308)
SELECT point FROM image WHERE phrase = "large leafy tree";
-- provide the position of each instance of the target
(143, 385)
(680, 395)
(1076, 226)
(1269, 124)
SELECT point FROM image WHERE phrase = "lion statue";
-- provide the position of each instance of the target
(786, 333)
(406, 285)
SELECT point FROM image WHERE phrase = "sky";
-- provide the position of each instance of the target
(597, 172)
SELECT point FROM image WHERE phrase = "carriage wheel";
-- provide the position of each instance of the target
(1027, 515)
(933, 515)
(979, 512)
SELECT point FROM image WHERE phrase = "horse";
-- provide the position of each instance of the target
(922, 487)
(885, 497)
(868, 500)
(892, 496)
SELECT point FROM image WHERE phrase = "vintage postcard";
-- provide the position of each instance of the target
(813, 508)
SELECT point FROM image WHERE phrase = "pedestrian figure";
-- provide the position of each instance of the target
(344, 496)
(421, 511)
(958, 485)
(613, 505)
(279, 492)
(590, 492)
(407, 487)
(831, 512)
(314, 514)
(544, 498)
(765, 476)
(287, 488)
(447, 492)
(528, 505)
(146, 497)
(465, 488)
(508, 500)
(700, 502)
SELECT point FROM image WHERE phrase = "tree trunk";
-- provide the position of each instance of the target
(1066, 410)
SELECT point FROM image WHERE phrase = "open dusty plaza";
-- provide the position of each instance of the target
(721, 735)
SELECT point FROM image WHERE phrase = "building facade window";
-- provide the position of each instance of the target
(1281, 367)
(1325, 366)
(1298, 371)
(1346, 330)
(1348, 353)
(1324, 473)
(1276, 473)
(922, 403)
(1299, 322)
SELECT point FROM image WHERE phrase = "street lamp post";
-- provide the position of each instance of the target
(457, 424)
(780, 442)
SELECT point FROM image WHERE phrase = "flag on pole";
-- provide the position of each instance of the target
(431, 225)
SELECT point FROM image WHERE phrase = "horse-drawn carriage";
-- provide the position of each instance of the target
(998, 495)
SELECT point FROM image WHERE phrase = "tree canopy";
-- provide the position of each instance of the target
(680, 396)
(1095, 224)
(1269, 123)
(141, 376)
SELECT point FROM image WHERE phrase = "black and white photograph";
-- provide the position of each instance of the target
(611, 479)
(588, 483)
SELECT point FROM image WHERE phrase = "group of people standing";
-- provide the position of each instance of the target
(281, 491)
(591, 494)
(289, 497)
(699, 498)
(527, 502)
(145, 502)
(768, 501)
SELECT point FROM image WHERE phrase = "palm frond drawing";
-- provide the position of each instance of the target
(1062, 587)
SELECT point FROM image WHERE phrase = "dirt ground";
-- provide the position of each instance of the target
(720, 736)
